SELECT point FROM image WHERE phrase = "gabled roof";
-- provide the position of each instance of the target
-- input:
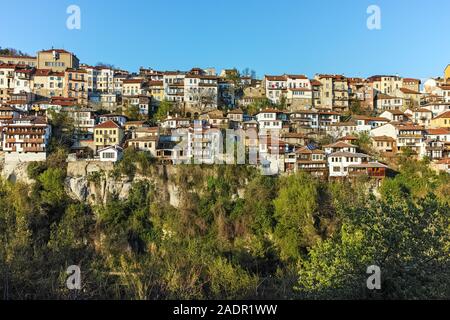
(445, 114)
(438, 131)
(340, 144)
(107, 125)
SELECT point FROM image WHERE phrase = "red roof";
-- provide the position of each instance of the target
(443, 115)
(107, 125)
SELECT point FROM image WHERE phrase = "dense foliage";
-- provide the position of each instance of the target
(235, 234)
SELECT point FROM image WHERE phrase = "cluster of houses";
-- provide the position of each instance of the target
(286, 135)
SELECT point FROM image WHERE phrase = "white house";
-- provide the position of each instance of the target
(110, 154)
(269, 119)
(339, 162)
(26, 139)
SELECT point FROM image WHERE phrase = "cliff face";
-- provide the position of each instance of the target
(81, 185)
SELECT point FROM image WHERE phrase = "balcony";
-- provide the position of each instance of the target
(34, 149)
(36, 140)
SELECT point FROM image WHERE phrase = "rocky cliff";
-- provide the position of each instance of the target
(93, 182)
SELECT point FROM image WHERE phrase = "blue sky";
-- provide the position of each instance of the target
(271, 37)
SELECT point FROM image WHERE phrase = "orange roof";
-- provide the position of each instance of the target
(107, 125)
(438, 131)
(443, 115)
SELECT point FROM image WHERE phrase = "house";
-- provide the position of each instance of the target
(148, 144)
(26, 139)
(339, 162)
(201, 90)
(385, 102)
(407, 136)
(112, 153)
(374, 170)
(339, 146)
(236, 118)
(384, 144)
(441, 121)
(305, 119)
(444, 91)
(411, 98)
(83, 119)
(8, 113)
(327, 118)
(438, 134)
(294, 138)
(299, 92)
(366, 123)
(411, 84)
(270, 119)
(117, 118)
(175, 122)
(437, 107)
(272, 154)
(217, 121)
(312, 160)
(108, 133)
(227, 93)
(420, 116)
(349, 139)
(441, 165)
(394, 115)
(340, 129)
(252, 95)
(133, 125)
(275, 87)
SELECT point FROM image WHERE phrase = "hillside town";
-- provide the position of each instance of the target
(332, 126)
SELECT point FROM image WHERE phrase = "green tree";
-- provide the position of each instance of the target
(163, 110)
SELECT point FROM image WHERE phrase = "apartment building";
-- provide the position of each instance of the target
(26, 139)
(47, 83)
(299, 94)
(6, 81)
(156, 91)
(334, 93)
(133, 87)
(76, 85)
(201, 91)
(19, 60)
(411, 84)
(174, 86)
(57, 60)
(386, 84)
(275, 87)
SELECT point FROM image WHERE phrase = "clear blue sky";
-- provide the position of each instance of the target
(274, 36)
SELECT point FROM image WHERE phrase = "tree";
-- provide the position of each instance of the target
(408, 239)
(295, 208)
(164, 109)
